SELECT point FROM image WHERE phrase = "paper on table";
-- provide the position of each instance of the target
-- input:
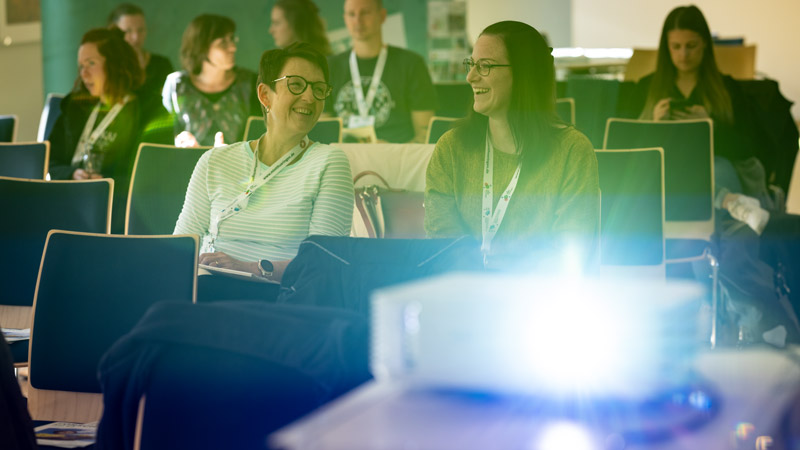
(210, 270)
(66, 434)
(16, 334)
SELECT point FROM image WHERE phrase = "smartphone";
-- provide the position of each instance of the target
(679, 105)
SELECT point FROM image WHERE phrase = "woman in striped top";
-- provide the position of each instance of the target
(254, 202)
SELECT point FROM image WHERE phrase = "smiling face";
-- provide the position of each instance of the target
(92, 69)
(135, 30)
(492, 93)
(222, 52)
(279, 28)
(296, 114)
(363, 19)
(686, 49)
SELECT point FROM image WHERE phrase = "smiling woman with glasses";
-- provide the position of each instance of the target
(211, 98)
(254, 202)
(512, 175)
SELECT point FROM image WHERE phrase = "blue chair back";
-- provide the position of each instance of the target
(24, 159)
(33, 208)
(159, 181)
(91, 290)
(632, 207)
(8, 128)
(50, 112)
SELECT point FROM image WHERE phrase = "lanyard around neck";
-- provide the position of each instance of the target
(491, 220)
(364, 105)
(90, 134)
(240, 202)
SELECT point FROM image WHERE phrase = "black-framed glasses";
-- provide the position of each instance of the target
(297, 85)
(483, 67)
(228, 40)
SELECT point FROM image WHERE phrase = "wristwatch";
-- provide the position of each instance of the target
(266, 268)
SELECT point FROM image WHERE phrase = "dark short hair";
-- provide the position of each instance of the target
(273, 61)
(124, 9)
(303, 17)
(199, 35)
(123, 73)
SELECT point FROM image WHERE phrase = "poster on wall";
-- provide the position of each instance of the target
(447, 39)
(20, 22)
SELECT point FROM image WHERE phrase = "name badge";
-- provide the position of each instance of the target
(357, 121)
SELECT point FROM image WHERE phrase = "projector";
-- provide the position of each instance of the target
(553, 336)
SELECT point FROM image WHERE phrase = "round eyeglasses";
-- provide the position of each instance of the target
(483, 67)
(297, 85)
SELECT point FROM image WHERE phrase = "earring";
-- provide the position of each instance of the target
(266, 108)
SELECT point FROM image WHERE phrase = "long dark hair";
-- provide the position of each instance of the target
(303, 17)
(531, 112)
(716, 99)
(199, 35)
(123, 73)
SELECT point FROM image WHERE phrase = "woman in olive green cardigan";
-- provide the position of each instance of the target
(513, 175)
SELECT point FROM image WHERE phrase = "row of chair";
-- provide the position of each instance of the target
(85, 269)
(330, 130)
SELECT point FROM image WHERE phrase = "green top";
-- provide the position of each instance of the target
(557, 201)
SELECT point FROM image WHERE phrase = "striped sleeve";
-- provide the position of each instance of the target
(333, 207)
(196, 212)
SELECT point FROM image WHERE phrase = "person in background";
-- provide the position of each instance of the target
(210, 98)
(378, 85)
(512, 175)
(130, 19)
(296, 187)
(103, 120)
(298, 21)
(751, 232)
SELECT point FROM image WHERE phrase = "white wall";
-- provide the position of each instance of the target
(21, 86)
(770, 24)
(548, 16)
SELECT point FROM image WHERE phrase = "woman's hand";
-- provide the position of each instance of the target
(80, 174)
(219, 139)
(661, 110)
(225, 261)
(691, 112)
(186, 139)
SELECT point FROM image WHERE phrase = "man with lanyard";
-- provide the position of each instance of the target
(378, 85)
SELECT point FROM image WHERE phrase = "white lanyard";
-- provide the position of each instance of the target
(240, 203)
(490, 222)
(364, 105)
(89, 137)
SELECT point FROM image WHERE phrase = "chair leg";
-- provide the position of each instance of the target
(714, 263)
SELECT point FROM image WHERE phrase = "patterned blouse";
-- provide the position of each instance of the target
(204, 114)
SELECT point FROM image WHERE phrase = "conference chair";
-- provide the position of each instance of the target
(437, 127)
(31, 208)
(565, 108)
(24, 159)
(632, 212)
(327, 130)
(688, 176)
(91, 290)
(225, 375)
(159, 180)
(50, 112)
(8, 128)
(254, 128)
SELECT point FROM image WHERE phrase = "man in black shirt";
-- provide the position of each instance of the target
(379, 85)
